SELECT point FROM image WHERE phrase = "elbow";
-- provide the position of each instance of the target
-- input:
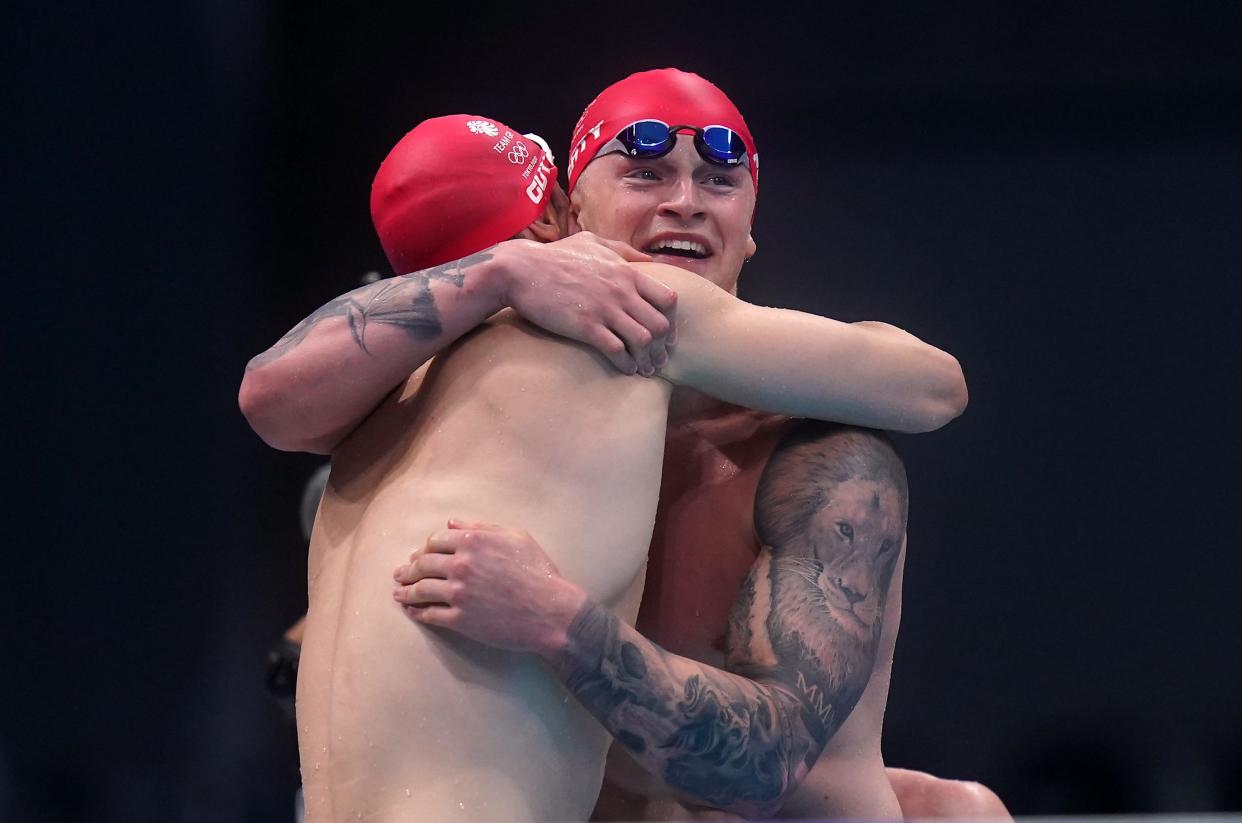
(945, 401)
(955, 396)
(258, 400)
(756, 810)
(765, 807)
(766, 798)
(262, 404)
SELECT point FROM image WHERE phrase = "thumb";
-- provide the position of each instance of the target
(471, 525)
(627, 252)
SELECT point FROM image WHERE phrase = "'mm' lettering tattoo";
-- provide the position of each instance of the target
(405, 302)
(830, 514)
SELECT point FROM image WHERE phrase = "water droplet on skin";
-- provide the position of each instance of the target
(407, 792)
(316, 765)
(461, 805)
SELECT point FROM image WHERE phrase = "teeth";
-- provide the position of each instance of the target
(681, 245)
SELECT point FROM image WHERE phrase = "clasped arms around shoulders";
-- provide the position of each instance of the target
(322, 378)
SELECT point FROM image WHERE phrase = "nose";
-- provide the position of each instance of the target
(850, 594)
(682, 199)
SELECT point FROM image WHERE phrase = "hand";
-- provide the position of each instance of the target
(582, 288)
(492, 584)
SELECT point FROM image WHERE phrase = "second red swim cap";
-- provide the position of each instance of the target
(673, 96)
(456, 185)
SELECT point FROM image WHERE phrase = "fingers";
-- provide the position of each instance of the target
(637, 340)
(662, 298)
(423, 565)
(657, 325)
(443, 541)
(424, 592)
(458, 523)
(446, 616)
(626, 251)
(612, 347)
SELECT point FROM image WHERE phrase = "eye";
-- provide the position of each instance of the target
(721, 180)
(643, 174)
(847, 531)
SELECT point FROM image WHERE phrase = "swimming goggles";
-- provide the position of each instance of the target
(648, 139)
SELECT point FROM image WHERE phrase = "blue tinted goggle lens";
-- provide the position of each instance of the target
(724, 144)
(651, 138)
(647, 137)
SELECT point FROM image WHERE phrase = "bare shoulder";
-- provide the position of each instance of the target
(509, 352)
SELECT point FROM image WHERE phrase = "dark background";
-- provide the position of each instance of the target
(1052, 192)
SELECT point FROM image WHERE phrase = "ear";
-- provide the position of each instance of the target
(550, 225)
(544, 229)
(572, 224)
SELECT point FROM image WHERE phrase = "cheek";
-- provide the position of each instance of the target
(735, 226)
(616, 217)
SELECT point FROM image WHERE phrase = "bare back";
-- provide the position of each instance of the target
(402, 722)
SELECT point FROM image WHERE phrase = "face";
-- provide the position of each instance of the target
(679, 208)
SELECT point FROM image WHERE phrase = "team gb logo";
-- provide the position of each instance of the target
(483, 127)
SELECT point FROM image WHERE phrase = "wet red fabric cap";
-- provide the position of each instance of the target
(673, 96)
(454, 186)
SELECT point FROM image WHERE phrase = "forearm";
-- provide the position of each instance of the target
(719, 739)
(818, 368)
(936, 374)
(790, 362)
(315, 384)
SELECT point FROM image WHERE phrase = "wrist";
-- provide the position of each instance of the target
(506, 268)
(566, 603)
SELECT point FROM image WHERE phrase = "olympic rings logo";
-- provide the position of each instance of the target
(518, 153)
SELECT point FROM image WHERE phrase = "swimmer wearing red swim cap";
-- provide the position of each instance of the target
(688, 195)
(456, 185)
(664, 161)
(637, 106)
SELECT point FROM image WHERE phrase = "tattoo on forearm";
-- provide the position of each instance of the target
(715, 736)
(405, 301)
(802, 636)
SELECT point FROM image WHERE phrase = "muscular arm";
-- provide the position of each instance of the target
(323, 376)
(320, 380)
(789, 362)
(802, 637)
(718, 738)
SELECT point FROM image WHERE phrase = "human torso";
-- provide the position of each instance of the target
(401, 722)
(703, 546)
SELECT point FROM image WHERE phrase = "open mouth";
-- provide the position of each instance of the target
(679, 248)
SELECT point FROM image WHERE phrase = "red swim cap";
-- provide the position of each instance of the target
(671, 95)
(454, 186)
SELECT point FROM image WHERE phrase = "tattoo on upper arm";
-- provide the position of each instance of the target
(802, 637)
(831, 514)
(404, 301)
